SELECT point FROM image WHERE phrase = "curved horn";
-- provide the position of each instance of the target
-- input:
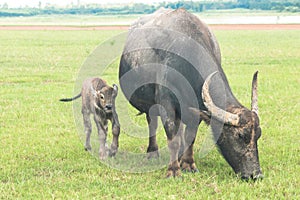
(254, 104)
(216, 112)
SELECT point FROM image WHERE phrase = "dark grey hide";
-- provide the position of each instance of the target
(98, 99)
(168, 57)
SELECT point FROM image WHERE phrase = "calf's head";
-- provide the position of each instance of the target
(105, 97)
(239, 134)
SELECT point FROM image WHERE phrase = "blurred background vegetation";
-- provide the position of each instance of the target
(144, 8)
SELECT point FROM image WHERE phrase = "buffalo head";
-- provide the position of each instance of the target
(239, 134)
(105, 97)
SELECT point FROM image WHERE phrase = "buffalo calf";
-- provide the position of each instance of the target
(98, 99)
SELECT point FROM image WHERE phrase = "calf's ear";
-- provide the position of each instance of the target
(115, 87)
(115, 93)
(94, 92)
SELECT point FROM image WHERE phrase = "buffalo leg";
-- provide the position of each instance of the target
(171, 125)
(115, 143)
(152, 149)
(187, 160)
(102, 134)
(87, 130)
(115, 128)
(181, 134)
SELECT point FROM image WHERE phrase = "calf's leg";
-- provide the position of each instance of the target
(87, 130)
(115, 142)
(102, 134)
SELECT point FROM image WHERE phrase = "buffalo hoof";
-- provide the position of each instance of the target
(102, 155)
(174, 170)
(173, 173)
(153, 155)
(87, 147)
(189, 167)
(112, 152)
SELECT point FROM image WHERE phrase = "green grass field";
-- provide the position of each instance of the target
(42, 157)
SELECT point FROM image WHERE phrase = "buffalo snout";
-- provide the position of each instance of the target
(254, 176)
(108, 106)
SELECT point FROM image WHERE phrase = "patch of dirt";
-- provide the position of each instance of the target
(255, 27)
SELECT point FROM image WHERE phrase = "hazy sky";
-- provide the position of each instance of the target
(35, 3)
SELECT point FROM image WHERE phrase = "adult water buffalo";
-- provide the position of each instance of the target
(171, 67)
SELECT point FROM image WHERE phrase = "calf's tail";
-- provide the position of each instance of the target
(71, 99)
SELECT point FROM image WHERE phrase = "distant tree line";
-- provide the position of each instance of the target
(140, 8)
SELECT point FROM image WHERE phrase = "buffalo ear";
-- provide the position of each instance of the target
(204, 115)
(115, 87)
(94, 92)
(115, 92)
